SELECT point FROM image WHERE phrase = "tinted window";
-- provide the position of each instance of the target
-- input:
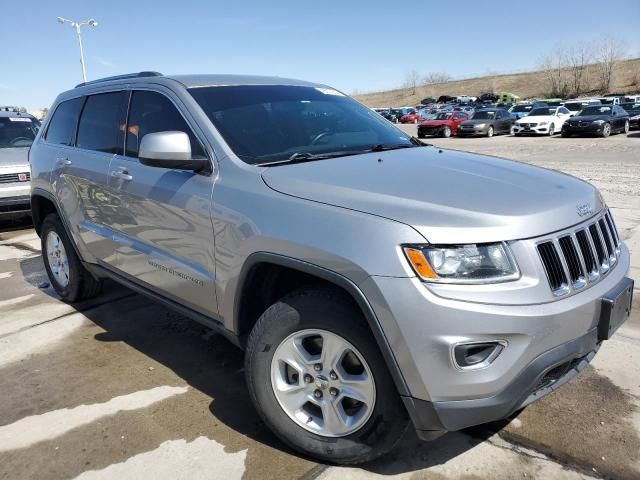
(545, 111)
(152, 112)
(102, 123)
(18, 131)
(63, 123)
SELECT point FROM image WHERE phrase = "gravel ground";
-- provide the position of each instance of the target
(120, 387)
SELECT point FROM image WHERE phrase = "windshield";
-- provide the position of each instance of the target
(443, 116)
(270, 123)
(596, 110)
(484, 115)
(631, 106)
(573, 106)
(522, 108)
(542, 112)
(17, 131)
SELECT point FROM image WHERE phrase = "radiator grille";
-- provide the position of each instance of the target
(14, 177)
(575, 259)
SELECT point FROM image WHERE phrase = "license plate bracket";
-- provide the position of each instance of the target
(615, 308)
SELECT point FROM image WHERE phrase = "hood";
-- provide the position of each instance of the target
(447, 196)
(473, 121)
(537, 118)
(590, 118)
(14, 157)
(435, 123)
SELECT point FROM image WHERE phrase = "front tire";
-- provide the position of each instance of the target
(626, 127)
(490, 131)
(66, 273)
(606, 130)
(313, 346)
(446, 132)
(552, 130)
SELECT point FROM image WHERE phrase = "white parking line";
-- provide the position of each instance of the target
(37, 340)
(13, 301)
(176, 459)
(38, 428)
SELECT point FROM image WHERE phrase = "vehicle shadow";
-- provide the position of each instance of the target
(209, 363)
(633, 135)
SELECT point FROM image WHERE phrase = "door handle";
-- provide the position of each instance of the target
(63, 161)
(122, 175)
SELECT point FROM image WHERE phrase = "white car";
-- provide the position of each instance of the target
(542, 120)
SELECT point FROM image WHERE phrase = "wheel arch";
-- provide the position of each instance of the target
(277, 275)
(42, 204)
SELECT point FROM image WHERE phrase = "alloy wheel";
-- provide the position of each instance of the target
(57, 259)
(323, 383)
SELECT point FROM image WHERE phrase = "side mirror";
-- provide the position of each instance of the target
(169, 149)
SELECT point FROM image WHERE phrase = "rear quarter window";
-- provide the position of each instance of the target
(63, 123)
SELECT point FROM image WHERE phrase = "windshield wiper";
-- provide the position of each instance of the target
(308, 157)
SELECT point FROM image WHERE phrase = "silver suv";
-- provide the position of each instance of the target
(372, 280)
(17, 132)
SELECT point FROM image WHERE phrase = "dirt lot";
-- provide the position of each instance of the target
(120, 387)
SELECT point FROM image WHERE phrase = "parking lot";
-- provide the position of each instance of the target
(120, 387)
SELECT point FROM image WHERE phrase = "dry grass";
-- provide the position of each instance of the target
(626, 78)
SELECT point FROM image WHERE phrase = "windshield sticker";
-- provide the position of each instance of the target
(329, 91)
(20, 119)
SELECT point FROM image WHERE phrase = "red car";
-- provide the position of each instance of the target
(444, 125)
(411, 117)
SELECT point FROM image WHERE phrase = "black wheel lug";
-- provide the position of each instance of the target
(317, 367)
(317, 394)
(308, 378)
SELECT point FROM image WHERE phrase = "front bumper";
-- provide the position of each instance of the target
(589, 129)
(468, 132)
(537, 130)
(549, 341)
(15, 206)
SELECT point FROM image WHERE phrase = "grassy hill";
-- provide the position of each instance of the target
(626, 78)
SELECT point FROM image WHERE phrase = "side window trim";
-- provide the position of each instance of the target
(178, 109)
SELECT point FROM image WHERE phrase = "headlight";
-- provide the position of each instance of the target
(542, 124)
(480, 125)
(599, 122)
(635, 117)
(475, 263)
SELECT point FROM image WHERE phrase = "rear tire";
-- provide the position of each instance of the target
(291, 319)
(66, 273)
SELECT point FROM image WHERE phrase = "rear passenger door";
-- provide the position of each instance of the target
(165, 240)
(81, 174)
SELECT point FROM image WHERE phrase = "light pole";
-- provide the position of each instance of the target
(76, 26)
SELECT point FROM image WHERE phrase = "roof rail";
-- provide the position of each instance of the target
(120, 77)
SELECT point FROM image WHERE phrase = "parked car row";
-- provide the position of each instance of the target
(585, 116)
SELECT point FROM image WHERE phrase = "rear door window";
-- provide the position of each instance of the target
(62, 127)
(102, 123)
(152, 112)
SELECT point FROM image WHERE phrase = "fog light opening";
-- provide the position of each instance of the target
(475, 355)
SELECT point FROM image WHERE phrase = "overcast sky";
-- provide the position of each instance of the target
(354, 45)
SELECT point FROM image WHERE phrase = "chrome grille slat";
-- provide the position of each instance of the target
(581, 256)
(601, 254)
(608, 242)
(575, 271)
(612, 228)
